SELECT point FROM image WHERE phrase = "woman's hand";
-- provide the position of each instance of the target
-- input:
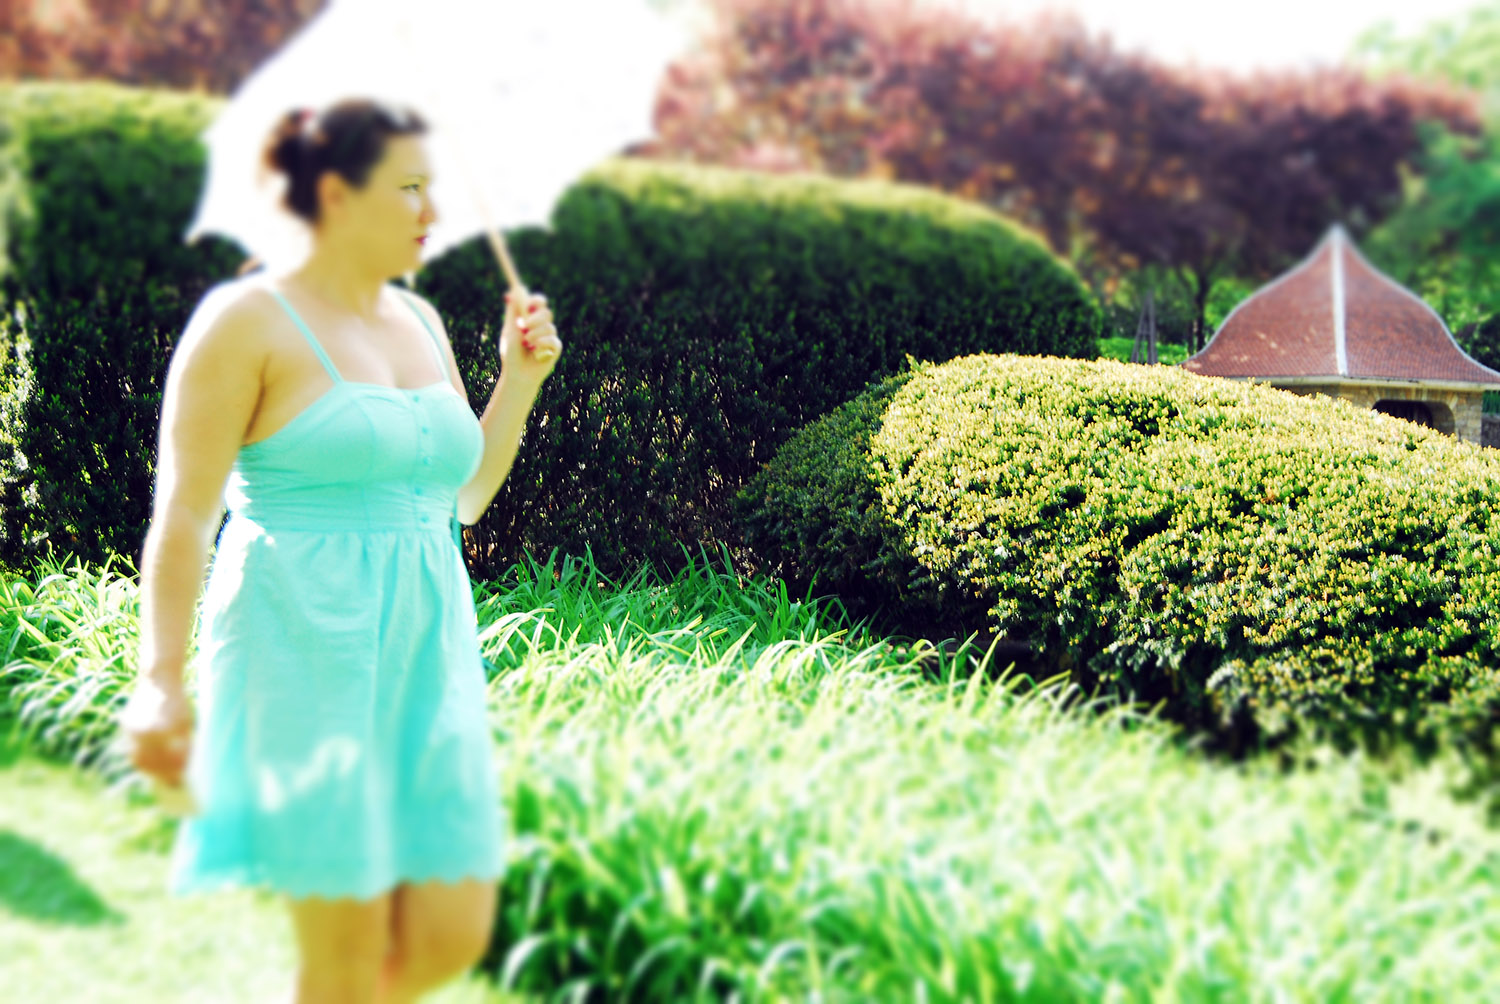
(529, 346)
(156, 730)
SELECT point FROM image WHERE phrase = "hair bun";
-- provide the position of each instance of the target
(287, 143)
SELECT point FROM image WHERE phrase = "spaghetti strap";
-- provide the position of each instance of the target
(306, 331)
(437, 347)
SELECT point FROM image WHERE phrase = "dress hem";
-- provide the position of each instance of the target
(236, 881)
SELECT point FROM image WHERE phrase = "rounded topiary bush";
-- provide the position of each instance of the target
(1252, 557)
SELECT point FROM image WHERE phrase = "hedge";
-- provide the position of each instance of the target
(95, 265)
(1254, 558)
(707, 313)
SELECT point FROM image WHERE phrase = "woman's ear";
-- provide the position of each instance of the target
(333, 194)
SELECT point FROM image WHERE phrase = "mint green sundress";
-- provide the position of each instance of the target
(341, 744)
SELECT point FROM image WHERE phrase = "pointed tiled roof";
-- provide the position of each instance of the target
(1336, 316)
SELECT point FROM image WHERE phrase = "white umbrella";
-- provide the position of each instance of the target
(521, 99)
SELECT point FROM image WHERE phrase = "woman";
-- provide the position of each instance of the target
(343, 757)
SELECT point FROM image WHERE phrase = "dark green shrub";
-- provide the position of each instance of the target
(105, 180)
(707, 315)
(1247, 555)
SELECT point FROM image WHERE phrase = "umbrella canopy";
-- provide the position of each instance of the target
(521, 98)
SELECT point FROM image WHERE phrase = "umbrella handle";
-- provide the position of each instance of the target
(517, 287)
(502, 256)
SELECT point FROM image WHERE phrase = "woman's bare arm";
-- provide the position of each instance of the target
(212, 388)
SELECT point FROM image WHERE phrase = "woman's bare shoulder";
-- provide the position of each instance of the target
(229, 337)
(245, 302)
(236, 318)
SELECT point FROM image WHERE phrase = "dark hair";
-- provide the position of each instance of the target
(348, 137)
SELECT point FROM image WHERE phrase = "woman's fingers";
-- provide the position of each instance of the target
(536, 320)
(156, 730)
(533, 336)
(548, 348)
(535, 325)
(535, 302)
(163, 756)
(533, 339)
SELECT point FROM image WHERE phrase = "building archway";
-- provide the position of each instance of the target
(1433, 414)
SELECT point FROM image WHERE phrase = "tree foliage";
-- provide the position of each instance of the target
(200, 44)
(1120, 161)
(1444, 241)
(1461, 50)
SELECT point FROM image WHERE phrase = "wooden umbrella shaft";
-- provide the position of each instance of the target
(492, 233)
(512, 276)
(502, 256)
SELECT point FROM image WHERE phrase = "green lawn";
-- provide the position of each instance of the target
(1119, 348)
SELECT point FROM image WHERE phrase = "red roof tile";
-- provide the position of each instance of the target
(1336, 316)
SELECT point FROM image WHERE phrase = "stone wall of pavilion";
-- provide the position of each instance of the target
(1466, 407)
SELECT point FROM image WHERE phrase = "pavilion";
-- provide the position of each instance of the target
(1335, 325)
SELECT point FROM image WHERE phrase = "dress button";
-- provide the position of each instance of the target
(424, 428)
(427, 461)
(417, 490)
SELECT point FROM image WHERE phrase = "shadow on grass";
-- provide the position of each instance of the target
(35, 883)
(38, 885)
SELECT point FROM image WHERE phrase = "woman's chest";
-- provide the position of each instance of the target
(378, 434)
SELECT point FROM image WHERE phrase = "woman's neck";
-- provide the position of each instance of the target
(336, 279)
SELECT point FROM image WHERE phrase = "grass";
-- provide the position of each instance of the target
(1167, 354)
(69, 636)
(717, 789)
(817, 816)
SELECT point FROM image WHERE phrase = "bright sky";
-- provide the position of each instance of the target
(1268, 34)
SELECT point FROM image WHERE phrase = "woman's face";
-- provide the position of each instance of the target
(387, 218)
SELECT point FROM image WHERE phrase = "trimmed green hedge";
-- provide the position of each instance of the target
(106, 179)
(1251, 557)
(708, 314)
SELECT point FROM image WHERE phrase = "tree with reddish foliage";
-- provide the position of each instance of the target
(1120, 162)
(201, 44)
